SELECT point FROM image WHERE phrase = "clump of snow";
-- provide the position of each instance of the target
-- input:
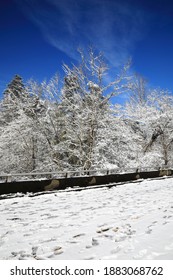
(129, 221)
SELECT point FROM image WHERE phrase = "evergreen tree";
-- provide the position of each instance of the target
(12, 98)
(15, 88)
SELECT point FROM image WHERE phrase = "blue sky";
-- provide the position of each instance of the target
(37, 36)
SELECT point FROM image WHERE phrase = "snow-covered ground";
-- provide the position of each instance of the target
(130, 221)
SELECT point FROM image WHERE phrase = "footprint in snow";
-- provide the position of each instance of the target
(90, 258)
(79, 235)
(148, 231)
(95, 242)
(101, 230)
(141, 254)
(116, 250)
(120, 238)
(58, 250)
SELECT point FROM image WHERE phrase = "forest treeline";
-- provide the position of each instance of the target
(76, 124)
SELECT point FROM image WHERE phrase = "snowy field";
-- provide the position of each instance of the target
(130, 221)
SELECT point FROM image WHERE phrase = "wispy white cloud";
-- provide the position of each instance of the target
(111, 26)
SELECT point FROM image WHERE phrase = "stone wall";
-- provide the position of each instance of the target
(63, 183)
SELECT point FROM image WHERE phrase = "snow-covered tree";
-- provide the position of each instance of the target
(47, 127)
(12, 97)
(22, 147)
(139, 90)
(154, 125)
(15, 88)
(87, 119)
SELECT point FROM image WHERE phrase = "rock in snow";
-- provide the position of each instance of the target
(130, 221)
